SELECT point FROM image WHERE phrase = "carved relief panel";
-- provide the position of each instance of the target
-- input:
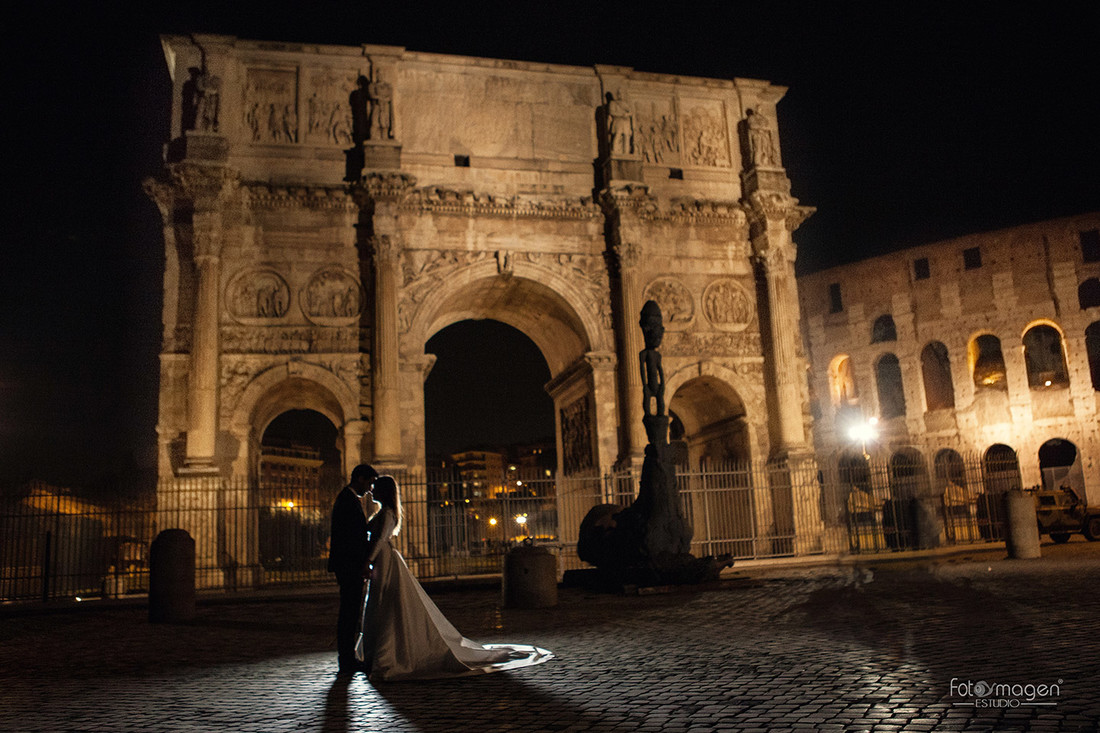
(657, 130)
(576, 435)
(677, 305)
(328, 109)
(332, 297)
(271, 105)
(257, 296)
(728, 305)
(706, 133)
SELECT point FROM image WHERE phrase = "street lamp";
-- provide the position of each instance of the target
(864, 432)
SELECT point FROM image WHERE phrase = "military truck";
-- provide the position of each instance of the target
(1062, 511)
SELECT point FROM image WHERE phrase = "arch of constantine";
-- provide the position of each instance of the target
(328, 209)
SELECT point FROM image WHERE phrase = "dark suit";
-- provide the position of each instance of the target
(347, 559)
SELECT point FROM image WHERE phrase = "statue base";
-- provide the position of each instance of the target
(203, 147)
(646, 544)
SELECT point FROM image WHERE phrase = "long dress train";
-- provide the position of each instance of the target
(404, 636)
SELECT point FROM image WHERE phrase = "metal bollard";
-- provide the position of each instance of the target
(530, 578)
(172, 577)
(1022, 526)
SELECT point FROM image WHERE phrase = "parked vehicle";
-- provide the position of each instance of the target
(1062, 511)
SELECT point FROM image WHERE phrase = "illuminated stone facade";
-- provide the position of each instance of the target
(328, 209)
(967, 345)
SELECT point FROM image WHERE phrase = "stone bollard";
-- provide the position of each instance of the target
(929, 522)
(530, 578)
(1021, 525)
(172, 577)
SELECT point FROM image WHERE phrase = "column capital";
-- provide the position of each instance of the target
(207, 186)
(775, 258)
(769, 209)
(384, 248)
(601, 360)
(629, 254)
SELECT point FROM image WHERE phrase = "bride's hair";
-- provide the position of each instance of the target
(385, 492)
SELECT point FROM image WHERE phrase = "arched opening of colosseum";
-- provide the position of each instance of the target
(300, 474)
(1060, 466)
(842, 383)
(1000, 471)
(986, 362)
(959, 505)
(1088, 294)
(891, 394)
(883, 329)
(935, 365)
(1045, 358)
(1092, 348)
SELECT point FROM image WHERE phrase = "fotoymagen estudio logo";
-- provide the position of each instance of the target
(983, 694)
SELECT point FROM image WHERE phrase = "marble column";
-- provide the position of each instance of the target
(385, 356)
(202, 391)
(629, 255)
(786, 368)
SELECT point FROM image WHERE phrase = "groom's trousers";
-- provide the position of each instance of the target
(347, 622)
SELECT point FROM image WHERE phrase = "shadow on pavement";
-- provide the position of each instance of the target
(494, 702)
(336, 707)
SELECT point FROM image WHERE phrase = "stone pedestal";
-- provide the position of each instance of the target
(172, 577)
(1021, 525)
(530, 578)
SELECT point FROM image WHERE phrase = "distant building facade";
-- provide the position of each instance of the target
(984, 347)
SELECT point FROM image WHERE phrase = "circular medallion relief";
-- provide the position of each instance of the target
(257, 295)
(332, 297)
(677, 305)
(727, 305)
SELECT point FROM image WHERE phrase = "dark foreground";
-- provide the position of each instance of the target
(899, 646)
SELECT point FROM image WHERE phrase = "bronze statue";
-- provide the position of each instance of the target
(649, 359)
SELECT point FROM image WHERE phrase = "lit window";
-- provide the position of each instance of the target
(1044, 358)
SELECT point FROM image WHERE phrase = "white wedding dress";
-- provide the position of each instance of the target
(404, 636)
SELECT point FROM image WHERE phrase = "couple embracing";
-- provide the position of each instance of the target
(396, 632)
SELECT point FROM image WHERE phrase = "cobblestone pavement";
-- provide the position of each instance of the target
(887, 647)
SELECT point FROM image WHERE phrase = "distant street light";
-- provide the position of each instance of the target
(863, 432)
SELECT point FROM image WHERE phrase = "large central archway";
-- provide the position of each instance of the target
(564, 323)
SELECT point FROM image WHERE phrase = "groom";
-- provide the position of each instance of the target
(348, 558)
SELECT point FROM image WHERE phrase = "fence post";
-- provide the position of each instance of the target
(46, 559)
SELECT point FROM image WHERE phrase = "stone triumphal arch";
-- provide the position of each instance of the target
(327, 209)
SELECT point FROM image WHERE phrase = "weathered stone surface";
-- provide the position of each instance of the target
(1000, 285)
(327, 210)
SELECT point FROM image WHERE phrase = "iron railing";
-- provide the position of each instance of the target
(249, 535)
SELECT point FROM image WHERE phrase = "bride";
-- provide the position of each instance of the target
(403, 636)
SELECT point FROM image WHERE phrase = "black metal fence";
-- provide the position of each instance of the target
(54, 545)
(914, 500)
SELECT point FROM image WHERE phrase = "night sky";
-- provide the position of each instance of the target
(900, 126)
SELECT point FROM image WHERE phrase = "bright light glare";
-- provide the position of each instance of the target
(863, 432)
(492, 521)
(521, 519)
